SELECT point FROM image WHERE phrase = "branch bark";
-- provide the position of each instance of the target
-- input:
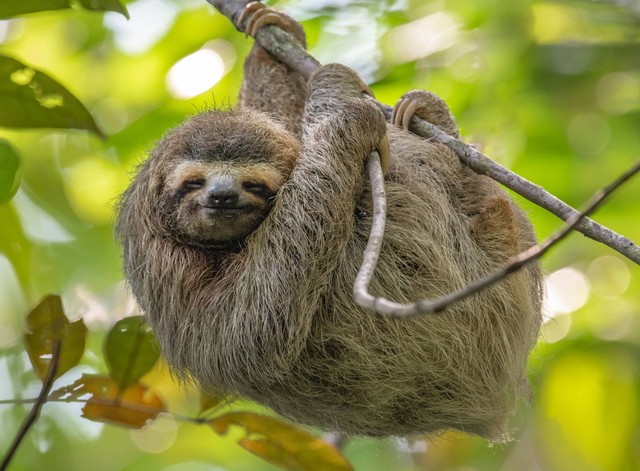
(428, 306)
(287, 50)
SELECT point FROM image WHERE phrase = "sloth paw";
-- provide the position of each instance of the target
(339, 81)
(264, 16)
(427, 106)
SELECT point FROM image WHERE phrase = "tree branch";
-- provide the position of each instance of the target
(483, 165)
(34, 413)
(426, 306)
(287, 50)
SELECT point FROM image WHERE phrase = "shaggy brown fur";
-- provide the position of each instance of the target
(271, 316)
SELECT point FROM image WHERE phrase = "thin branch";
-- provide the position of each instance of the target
(338, 440)
(483, 165)
(426, 306)
(376, 234)
(115, 402)
(279, 43)
(34, 413)
(287, 50)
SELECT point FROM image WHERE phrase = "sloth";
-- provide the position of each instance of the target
(243, 232)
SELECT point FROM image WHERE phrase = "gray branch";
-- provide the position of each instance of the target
(429, 306)
(287, 50)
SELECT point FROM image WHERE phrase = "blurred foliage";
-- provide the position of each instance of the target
(282, 444)
(9, 178)
(31, 99)
(108, 402)
(12, 8)
(550, 89)
(130, 351)
(46, 325)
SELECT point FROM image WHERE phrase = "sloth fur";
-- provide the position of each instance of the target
(270, 316)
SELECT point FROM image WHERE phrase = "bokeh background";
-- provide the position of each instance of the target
(550, 89)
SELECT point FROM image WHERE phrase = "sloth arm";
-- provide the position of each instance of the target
(269, 85)
(290, 258)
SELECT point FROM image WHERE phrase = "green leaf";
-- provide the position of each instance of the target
(46, 324)
(130, 351)
(9, 176)
(105, 5)
(11, 8)
(282, 444)
(32, 99)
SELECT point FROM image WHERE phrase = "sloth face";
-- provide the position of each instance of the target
(220, 203)
(216, 175)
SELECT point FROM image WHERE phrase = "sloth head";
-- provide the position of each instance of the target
(211, 181)
(219, 202)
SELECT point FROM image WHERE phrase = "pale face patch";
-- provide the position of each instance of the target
(199, 213)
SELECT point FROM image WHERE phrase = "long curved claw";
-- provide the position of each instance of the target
(385, 154)
(426, 106)
(408, 113)
(403, 112)
(249, 9)
(366, 90)
(263, 18)
(262, 15)
(398, 112)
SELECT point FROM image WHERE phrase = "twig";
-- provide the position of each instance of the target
(483, 165)
(338, 440)
(425, 306)
(34, 413)
(376, 234)
(279, 43)
(287, 50)
(115, 402)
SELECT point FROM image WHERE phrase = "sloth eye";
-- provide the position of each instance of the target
(194, 184)
(256, 187)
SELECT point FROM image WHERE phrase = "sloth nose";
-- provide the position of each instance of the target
(223, 193)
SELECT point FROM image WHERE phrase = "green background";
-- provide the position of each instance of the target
(549, 89)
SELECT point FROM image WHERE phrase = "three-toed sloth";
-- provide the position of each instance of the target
(244, 230)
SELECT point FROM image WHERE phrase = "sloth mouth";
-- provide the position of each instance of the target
(227, 211)
(225, 208)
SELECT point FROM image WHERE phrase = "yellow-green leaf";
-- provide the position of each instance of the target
(282, 444)
(130, 350)
(11, 8)
(46, 324)
(9, 175)
(105, 5)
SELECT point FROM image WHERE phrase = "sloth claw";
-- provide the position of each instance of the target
(385, 154)
(262, 16)
(248, 9)
(426, 106)
(404, 111)
(398, 110)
